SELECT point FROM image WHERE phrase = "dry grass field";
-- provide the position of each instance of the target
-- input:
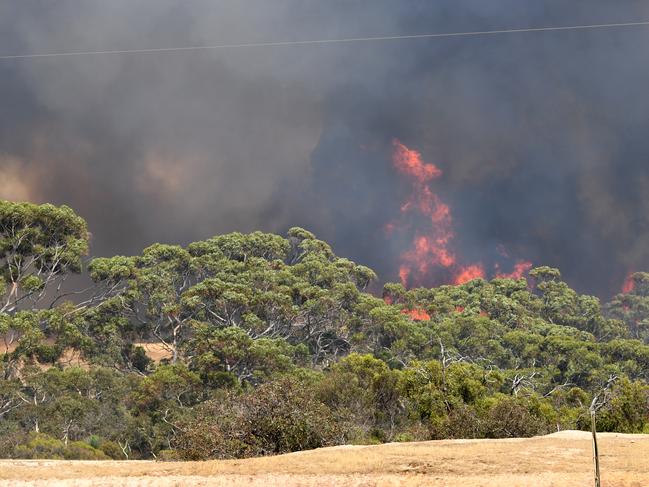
(558, 460)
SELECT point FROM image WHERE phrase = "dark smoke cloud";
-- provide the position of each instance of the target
(542, 137)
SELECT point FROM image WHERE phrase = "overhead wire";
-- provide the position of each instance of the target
(312, 42)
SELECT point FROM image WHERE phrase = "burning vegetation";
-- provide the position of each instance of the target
(253, 344)
(431, 257)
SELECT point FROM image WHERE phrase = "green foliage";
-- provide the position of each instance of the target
(363, 391)
(41, 446)
(221, 352)
(632, 308)
(271, 345)
(628, 408)
(39, 244)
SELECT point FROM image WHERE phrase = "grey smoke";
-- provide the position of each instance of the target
(542, 137)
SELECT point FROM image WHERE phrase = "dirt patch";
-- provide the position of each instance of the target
(155, 351)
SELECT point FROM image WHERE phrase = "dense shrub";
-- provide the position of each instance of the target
(277, 417)
(512, 417)
(39, 445)
(627, 409)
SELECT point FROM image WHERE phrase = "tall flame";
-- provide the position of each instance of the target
(431, 249)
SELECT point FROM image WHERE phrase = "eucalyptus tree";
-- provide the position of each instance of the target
(40, 246)
(154, 283)
(270, 287)
(561, 305)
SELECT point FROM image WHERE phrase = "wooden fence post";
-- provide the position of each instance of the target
(595, 450)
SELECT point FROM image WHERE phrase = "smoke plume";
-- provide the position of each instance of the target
(540, 138)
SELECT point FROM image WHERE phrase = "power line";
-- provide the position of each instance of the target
(327, 41)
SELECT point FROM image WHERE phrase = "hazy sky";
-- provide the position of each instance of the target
(542, 137)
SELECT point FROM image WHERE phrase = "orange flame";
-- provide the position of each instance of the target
(469, 273)
(408, 161)
(430, 249)
(520, 268)
(431, 246)
(629, 284)
(416, 314)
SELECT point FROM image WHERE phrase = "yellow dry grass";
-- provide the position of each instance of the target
(559, 460)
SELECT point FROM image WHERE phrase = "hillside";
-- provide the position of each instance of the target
(558, 460)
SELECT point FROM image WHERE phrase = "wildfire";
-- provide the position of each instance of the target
(520, 268)
(409, 161)
(469, 273)
(431, 248)
(416, 314)
(629, 284)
